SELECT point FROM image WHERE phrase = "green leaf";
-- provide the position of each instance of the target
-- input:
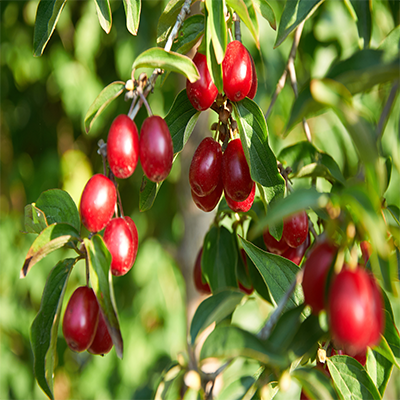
(394, 210)
(106, 96)
(229, 342)
(219, 259)
(214, 309)
(364, 20)
(266, 11)
(316, 384)
(148, 193)
(307, 161)
(189, 34)
(51, 238)
(277, 272)
(59, 207)
(395, 9)
(239, 389)
(99, 260)
(254, 136)
(350, 379)
(295, 12)
(104, 14)
(35, 220)
(168, 60)
(44, 328)
(167, 19)
(379, 368)
(217, 25)
(47, 15)
(241, 9)
(132, 12)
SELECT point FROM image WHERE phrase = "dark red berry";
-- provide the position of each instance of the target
(81, 319)
(273, 245)
(201, 286)
(156, 148)
(377, 310)
(254, 81)
(135, 237)
(203, 92)
(235, 174)
(205, 168)
(123, 146)
(209, 202)
(97, 202)
(316, 268)
(102, 342)
(119, 240)
(295, 229)
(241, 206)
(236, 71)
(296, 254)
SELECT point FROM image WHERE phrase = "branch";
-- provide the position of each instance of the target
(386, 110)
(158, 71)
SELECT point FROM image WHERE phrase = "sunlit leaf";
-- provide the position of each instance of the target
(315, 384)
(44, 328)
(167, 19)
(189, 34)
(266, 11)
(379, 368)
(132, 12)
(239, 389)
(217, 27)
(35, 220)
(106, 96)
(103, 9)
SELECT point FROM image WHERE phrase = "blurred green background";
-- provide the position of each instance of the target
(43, 146)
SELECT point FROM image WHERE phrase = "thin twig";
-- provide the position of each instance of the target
(238, 33)
(386, 110)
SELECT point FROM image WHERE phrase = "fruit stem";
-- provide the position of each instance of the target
(146, 103)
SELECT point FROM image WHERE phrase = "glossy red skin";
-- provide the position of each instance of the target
(351, 310)
(316, 268)
(241, 206)
(377, 309)
(202, 287)
(203, 92)
(205, 168)
(209, 202)
(97, 203)
(273, 245)
(235, 172)
(135, 237)
(123, 147)
(236, 71)
(295, 229)
(102, 342)
(254, 81)
(119, 241)
(296, 254)
(81, 319)
(155, 148)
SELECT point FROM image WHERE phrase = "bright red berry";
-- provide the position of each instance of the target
(377, 311)
(236, 71)
(235, 172)
(205, 168)
(295, 229)
(201, 286)
(241, 206)
(81, 319)
(155, 148)
(273, 245)
(296, 254)
(97, 202)
(254, 81)
(119, 240)
(209, 202)
(102, 342)
(123, 146)
(135, 237)
(203, 92)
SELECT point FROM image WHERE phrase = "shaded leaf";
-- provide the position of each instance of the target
(44, 328)
(132, 12)
(316, 384)
(35, 220)
(148, 193)
(295, 12)
(379, 368)
(106, 96)
(168, 60)
(395, 9)
(104, 14)
(58, 206)
(214, 309)
(189, 34)
(266, 11)
(217, 27)
(99, 260)
(51, 238)
(364, 20)
(47, 15)
(395, 212)
(239, 389)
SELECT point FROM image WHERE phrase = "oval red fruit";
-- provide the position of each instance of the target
(102, 342)
(241, 206)
(273, 245)
(254, 81)
(296, 254)
(209, 202)
(295, 229)
(135, 237)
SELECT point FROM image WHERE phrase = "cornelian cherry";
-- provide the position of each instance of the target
(241, 206)
(102, 342)
(295, 229)
(254, 81)
(209, 202)
(273, 245)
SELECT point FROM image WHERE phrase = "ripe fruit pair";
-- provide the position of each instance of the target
(154, 147)
(84, 327)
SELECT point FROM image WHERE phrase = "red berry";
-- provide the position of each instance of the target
(273, 245)
(209, 202)
(80, 319)
(102, 342)
(201, 286)
(123, 146)
(203, 92)
(97, 202)
(295, 229)
(365, 250)
(205, 168)
(377, 310)
(135, 237)
(155, 148)
(241, 206)
(119, 240)
(296, 254)
(235, 172)
(236, 71)
(316, 268)
(254, 82)
(352, 311)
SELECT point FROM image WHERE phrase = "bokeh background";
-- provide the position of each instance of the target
(43, 146)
